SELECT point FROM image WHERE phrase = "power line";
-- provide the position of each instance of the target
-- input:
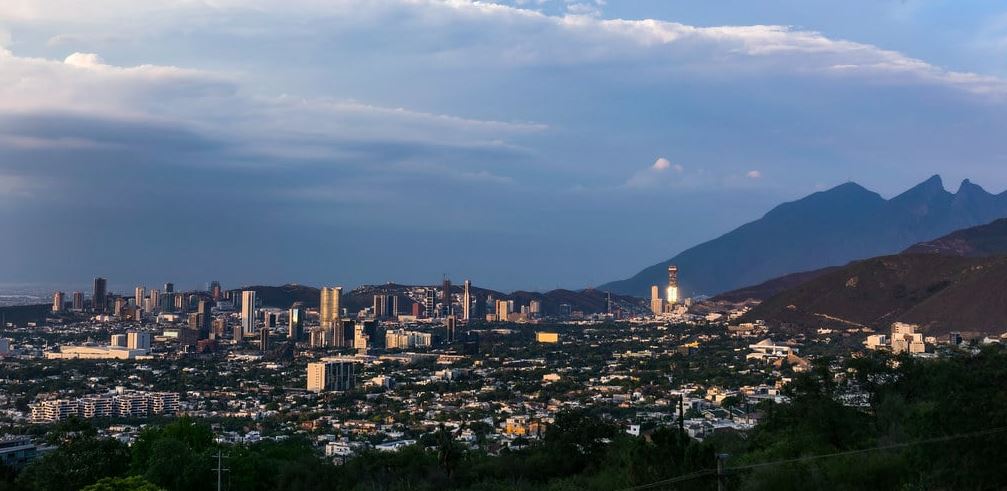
(712, 472)
(873, 449)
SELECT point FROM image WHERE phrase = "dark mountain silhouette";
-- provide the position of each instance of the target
(981, 241)
(984, 240)
(772, 287)
(827, 228)
(941, 293)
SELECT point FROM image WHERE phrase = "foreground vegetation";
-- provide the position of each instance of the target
(918, 424)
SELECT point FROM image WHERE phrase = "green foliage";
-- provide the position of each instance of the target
(132, 483)
(77, 463)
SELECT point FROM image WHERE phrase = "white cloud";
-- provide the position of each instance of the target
(84, 60)
(753, 174)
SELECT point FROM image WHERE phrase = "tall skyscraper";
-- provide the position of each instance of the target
(656, 302)
(155, 299)
(169, 288)
(467, 301)
(216, 292)
(205, 318)
(78, 301)
(430, 303)
(503, 310)
(264, 340)
(446, 300)
(672, 284)
(99, 301)
(57, 301)
(380, 307)
(295, 323)
(330, 305)
(451, 326)
(247, 313)
(138, 296)
(535, 308)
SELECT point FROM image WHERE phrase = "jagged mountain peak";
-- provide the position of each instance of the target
(827, 228)
(967, 187)
(923, 193)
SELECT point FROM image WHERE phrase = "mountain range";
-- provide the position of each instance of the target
(954, 283)
(827, 228)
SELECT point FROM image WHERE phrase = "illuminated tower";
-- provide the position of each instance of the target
(329, 309)
(138, 296)
(466, 301)
(672, 294)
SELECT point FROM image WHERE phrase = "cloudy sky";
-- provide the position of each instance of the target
(523, 144)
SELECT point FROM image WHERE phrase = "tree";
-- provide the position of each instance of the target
(132, 483)
(76, 464)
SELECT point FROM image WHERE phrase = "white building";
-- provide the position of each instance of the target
(767, 349)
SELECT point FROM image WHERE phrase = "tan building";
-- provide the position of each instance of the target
(905, 338)
(327, 376)
(656, 302)
(547, 337)
(330, 306)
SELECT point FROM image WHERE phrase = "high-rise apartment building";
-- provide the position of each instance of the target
(100, 292)
(430, 303)
(205, 318)
(329, 308)
(326, 376)
(57, 301)
(656, 302)
(451, 326)
(264, 340)
(154, 300)
(467, 301)
(138, 295)
(380, 306)
(216, 292)
(78, 301)
(446, 299)
(503, 310)
(295, 323)
(247, 313)
(138, 340)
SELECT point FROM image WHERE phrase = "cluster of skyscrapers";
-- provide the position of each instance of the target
(660, 305)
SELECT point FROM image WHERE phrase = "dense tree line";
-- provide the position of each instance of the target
(918, 424)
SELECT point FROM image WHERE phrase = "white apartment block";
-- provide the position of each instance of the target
(122, 405)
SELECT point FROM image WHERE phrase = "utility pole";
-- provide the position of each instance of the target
(721, 472)
(220, 470)
(681, 414)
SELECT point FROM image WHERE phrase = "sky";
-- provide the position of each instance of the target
(527, 144)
